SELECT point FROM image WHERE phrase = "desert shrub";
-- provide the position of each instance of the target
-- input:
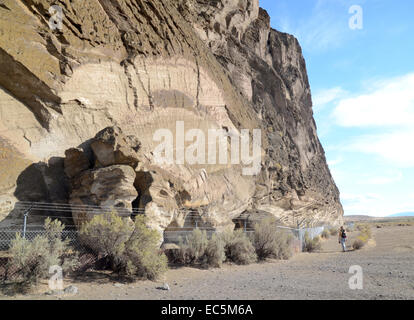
(358, 243)
(325, 234)
(270, 242)
(196, 246)
(30, 260)
(311, 244)
(364, 229)
(360, 226)
(333, 231)
(180, 255)
(106, 235)
(283, 249)
(142, 254)
(350, 229)
(215, 254)
(197, 249)
(192, 250)
(131, 249)
(238, 247)
(363, 237)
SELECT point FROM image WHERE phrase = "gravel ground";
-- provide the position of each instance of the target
(387, 263)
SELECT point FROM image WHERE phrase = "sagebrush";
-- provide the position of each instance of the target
(269, 242)
(131, 249)
(192, 248)
(197, 249)
(31, 260)
(333, 231)
(363, 237)
(215, 253)
(238, 247)
(311, 244)
(325, 234)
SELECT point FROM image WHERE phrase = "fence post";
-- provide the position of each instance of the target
(300, 237)
(26, 213)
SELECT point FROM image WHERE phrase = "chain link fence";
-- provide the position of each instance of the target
(298, 235)
(6, 237)
(86, 257)
(89, 260)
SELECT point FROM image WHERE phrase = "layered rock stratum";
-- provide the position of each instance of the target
(79, 107)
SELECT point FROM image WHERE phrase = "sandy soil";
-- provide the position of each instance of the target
(387, 263)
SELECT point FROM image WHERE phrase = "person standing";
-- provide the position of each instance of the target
(342, 238)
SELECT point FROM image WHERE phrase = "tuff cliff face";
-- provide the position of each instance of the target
(118, 71)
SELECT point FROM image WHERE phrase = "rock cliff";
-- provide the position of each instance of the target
(79, 107)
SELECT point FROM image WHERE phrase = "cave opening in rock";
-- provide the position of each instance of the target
(142, 184)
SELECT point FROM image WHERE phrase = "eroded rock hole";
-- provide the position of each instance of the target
(142, 183)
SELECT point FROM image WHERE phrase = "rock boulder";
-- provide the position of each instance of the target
(104, 188)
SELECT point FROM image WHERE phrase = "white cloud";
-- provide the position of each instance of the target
(356, 198)
(335, 162)
(323, 97)
(373, 205)
(391, 103)
(326, 27)
(392, 177)
(387, 107)
(397, 147)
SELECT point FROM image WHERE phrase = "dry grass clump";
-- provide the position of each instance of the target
(350, 229)
(333, 231)
(325, 234)
(363, 237)
(358, 244)
(269, 242)
(311, 244)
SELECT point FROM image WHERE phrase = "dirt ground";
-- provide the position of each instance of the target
(387, 263)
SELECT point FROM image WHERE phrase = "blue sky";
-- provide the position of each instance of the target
(362, 84)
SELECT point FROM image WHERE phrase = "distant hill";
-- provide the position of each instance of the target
(403, 214)
(362, 218)
(358, 218)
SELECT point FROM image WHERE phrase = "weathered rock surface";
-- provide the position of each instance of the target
(75, 162)
(139, 66)
(111, 147)
(165, 193)
(269, 70)
(110, 187)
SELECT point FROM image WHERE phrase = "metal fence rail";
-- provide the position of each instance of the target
(89, 260)
(86, 258)
(63, 212)
(7, 236)
(170, 236)
(30, 228)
